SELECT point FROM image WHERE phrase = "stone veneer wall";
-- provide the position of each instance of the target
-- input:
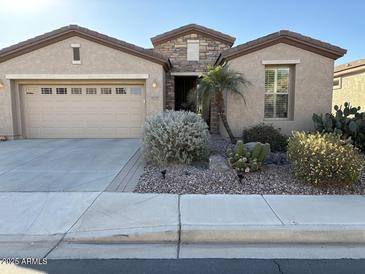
(176, 50)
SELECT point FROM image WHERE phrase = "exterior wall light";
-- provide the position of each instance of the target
(154, 84)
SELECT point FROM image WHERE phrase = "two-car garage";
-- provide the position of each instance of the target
(82, 110)
(106, 90)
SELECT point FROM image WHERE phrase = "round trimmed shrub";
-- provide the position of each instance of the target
(323, 158)
(175, 137)
(266, 134)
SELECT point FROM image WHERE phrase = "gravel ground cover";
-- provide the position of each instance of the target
(198, 179)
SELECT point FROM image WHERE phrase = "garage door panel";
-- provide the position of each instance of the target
(82, 115)
(60, 132)
(134, 132)
(35, 132)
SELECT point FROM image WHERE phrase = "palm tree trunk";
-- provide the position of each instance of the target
(219, 102)
(227, 127)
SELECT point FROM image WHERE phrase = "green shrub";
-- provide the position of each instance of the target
(244, 160)
(266, 134)
(324, 158)
(175, 137)
(348, 122)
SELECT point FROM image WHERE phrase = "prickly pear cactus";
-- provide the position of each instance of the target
(243, 160)
(348, 122)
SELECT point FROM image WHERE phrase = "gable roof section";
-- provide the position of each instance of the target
(188, 29)
(287, 37)
(354, 66)
(75, 30)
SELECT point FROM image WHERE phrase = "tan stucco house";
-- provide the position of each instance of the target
(76, 83)
(349, 84)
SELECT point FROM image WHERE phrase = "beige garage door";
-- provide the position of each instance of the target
(84, 111)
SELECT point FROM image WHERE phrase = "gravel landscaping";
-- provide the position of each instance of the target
(197, 178)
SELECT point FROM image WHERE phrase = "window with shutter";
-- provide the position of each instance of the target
(276, 92)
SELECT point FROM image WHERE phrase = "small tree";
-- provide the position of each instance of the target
(214, 83)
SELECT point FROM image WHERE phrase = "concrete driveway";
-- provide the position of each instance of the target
(63, 164)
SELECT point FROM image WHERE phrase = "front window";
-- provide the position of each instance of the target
(276, 92)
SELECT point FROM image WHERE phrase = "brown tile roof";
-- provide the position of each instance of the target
(75, 30)
(351, 65)
(283, 36)
(187, 29)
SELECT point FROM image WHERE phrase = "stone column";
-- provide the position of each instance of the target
(170, 92)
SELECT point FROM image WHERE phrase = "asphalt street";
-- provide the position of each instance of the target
(192, 266)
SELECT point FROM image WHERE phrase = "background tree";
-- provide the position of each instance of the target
(211, 88)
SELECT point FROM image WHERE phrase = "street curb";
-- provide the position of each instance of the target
(194, 219)
(164, 234)
(281, 234)
(285, 234)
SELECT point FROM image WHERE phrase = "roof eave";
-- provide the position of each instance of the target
(162, 38)
(352, 70)
(333, 54)
(75, 31)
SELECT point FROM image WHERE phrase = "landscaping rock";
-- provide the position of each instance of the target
(251, 145)
(278, 158)
(218, 163)
(272, 179)
(219, 145)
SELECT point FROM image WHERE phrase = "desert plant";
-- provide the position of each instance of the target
(211, 88)
(244, 160)
(347, 122)
(264, 133)
(324, 158)
(175, 137)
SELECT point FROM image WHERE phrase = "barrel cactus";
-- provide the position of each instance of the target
(260, 152)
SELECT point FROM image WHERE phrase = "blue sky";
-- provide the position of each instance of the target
(338, 22)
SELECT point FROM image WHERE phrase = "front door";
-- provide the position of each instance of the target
(183, 89)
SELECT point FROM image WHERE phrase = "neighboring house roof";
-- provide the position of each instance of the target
(188, 29)
(287, 37)
(75, 30)
(354, 66)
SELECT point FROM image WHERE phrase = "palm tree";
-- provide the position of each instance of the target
(214, 83)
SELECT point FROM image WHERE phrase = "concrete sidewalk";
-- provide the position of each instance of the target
(114, 225)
